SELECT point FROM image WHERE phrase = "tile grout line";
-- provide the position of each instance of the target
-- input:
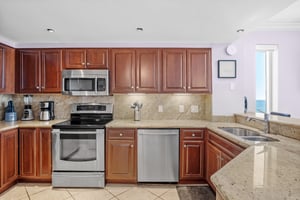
(113, 196)
(70, 194)
(27, 193)
(116, 196)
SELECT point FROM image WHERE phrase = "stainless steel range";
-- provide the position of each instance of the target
(78, 147)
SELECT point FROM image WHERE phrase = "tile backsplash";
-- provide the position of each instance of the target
(168, 102)
(62, 103)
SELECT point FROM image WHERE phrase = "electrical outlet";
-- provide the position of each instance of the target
(160, 108)
(181, 108)
(194, 109)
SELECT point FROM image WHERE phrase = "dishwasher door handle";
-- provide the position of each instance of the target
(157, 133)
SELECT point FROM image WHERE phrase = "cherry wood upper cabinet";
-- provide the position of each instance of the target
(39, 71)
(135, 70)
(198, 70)
(86, 58)
(28, 71)
(7, 70)
(122, 70)
(51, 71)
(147, 70)
(174, 70)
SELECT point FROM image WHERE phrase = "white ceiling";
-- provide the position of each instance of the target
(23, 23)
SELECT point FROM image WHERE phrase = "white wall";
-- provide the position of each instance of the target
(227, 101)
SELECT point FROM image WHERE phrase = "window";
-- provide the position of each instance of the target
(266, 78)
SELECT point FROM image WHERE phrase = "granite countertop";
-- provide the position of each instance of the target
(264, 170)
(157, 124)
(23, 124)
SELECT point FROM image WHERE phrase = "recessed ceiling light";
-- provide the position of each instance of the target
(240, 30)
(50, 30)
(139, 28)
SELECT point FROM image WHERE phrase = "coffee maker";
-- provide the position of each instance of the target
(47, 110)
(27, 112)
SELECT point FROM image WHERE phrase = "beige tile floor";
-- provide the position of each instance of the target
(38, 191)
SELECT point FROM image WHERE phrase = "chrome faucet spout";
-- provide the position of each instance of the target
(266, 121)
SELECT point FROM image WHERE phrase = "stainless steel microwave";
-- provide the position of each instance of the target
(85, 82)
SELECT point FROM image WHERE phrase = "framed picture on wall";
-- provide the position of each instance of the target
(226, 68)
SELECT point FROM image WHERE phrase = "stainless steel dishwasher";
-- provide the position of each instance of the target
(158, 155)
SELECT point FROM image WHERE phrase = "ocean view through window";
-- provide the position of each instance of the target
(266, 78)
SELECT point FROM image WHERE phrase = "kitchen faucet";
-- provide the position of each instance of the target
(266, 121)
(245, 104)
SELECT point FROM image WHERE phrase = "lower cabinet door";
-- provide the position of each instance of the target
(9, 157)
(213, 162)
(45, 151)
(120, 161)
(192, 160)
(28, 157)
(35, 154)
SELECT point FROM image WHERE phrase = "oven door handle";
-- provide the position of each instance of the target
(78, 132)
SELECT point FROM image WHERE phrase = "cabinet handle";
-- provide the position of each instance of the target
(137, 87)
(37, 87)
(87, 63)
(132, 87)
(131, 146)
(183, 87)
(43, 87)
(184, 146)
(189, 87)
(82, 63)
(193, 134)
(121, 134)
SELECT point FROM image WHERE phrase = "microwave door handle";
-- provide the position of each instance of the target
(63, 84)
(96, 83)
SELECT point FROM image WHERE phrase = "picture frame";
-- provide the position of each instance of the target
(226, 68)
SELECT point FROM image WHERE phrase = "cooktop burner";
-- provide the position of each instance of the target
(69, 125)
(87, 116)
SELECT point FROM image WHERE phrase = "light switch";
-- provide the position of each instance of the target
(181, 108)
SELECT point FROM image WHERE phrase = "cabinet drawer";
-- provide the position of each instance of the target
(192, 134)
(120, 134)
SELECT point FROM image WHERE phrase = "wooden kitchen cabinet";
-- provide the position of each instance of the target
(135, 70)
(39, 71)
(174, 70)
(219, 151)
(9, 158)
(7, 70)
(186, 70)
(121, 158)
(35, 154)
(122, 70)
(86, 58)
(198, 75)
(192, 156)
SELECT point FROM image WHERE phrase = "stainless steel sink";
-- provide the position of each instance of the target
(248, 134)
(240, 131)
(260, 138)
